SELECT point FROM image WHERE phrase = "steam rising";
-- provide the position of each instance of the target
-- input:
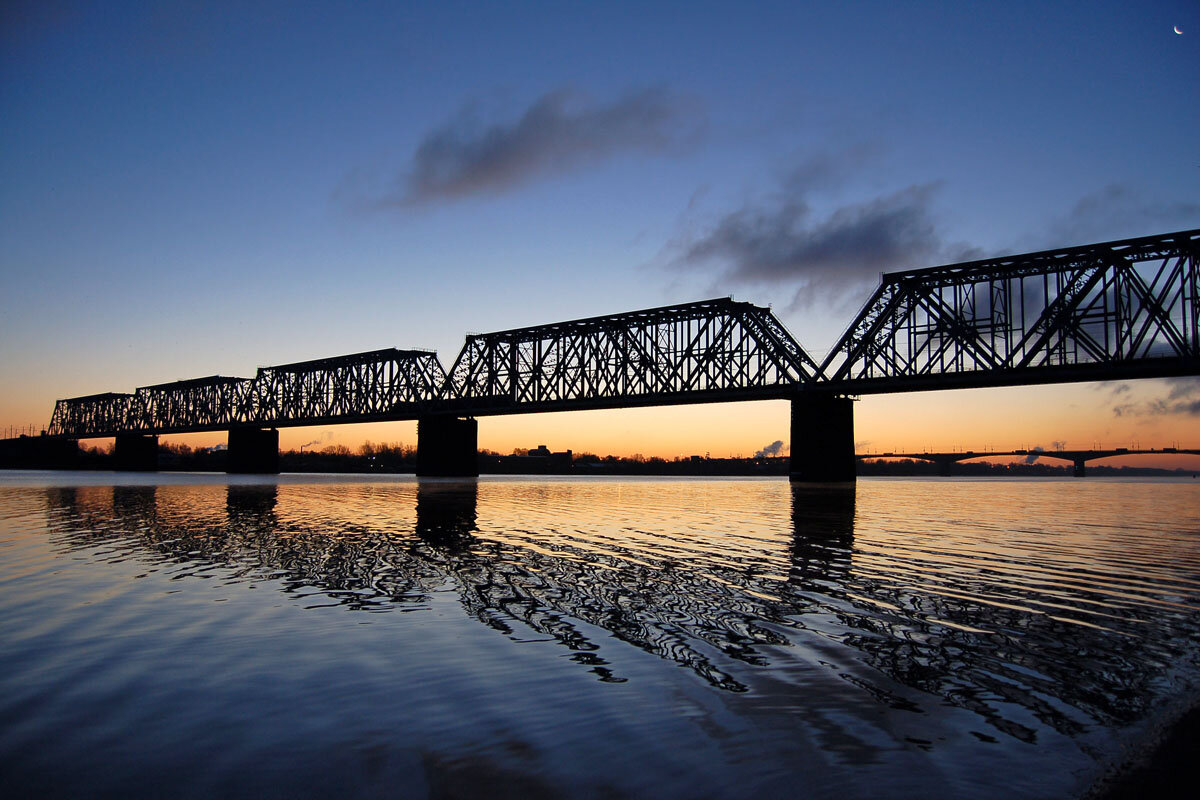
(773, 449)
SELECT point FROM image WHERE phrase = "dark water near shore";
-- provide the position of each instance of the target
(195, 635)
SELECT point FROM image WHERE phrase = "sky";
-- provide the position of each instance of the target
(200, 188)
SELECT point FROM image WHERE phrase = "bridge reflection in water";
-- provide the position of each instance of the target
(983, 620)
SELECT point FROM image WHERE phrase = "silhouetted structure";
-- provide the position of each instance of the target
(447, 447)
(136, 452)
(1118, 310)
(253, 450)
(1078, 458)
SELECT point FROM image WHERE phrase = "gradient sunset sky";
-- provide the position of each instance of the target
(199, 188)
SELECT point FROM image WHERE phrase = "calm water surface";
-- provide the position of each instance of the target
(196, 635)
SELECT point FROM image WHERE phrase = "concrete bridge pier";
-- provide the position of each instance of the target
(136, 452)
(253, 451)
(447, 447)
(1080, 468)
(822, 438)
(944, 466)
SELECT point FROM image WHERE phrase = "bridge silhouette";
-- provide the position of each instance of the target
(1123, 310)
(1078, 458)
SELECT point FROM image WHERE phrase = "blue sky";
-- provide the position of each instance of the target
(200, 187)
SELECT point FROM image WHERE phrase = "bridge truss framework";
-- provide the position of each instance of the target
(1115, 310)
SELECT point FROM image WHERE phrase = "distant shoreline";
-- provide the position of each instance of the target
(730, 468)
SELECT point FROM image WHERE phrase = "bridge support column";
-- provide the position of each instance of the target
(136, 452)
(1080, 468)
(822, 438)
(447, 447)
(253, 451)
(944, 467)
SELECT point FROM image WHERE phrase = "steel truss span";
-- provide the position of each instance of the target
(700, 352)
(364, 387)
(1122, 309)
(1117, 310)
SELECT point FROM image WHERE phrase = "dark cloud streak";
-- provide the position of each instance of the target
(1117, 211)
(783, 241)
(562, 130)
(1182, 399)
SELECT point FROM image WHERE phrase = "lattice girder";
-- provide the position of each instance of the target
(701, 349)
(1119, 309)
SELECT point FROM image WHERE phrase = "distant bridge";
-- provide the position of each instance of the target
(1079, 458)
(1116, 310)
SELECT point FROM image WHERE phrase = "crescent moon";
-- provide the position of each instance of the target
(1178, 31)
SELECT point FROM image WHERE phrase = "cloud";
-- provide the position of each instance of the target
(1118, 211)
(1183, 387)
(1181, 399)
(782, 240)
(1113, 388)
(562, 130)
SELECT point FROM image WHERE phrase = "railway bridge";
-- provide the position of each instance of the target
(1116, 310)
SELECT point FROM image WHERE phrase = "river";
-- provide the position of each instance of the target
(192, 635)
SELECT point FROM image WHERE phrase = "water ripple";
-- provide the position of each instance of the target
(1057, 609)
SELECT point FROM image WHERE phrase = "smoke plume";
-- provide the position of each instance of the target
(772, 449)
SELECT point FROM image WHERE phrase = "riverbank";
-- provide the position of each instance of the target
(1164, 764)
(397, 459)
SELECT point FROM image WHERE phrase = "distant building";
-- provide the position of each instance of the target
(554, 461)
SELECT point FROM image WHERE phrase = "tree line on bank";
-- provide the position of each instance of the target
(397, 457)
